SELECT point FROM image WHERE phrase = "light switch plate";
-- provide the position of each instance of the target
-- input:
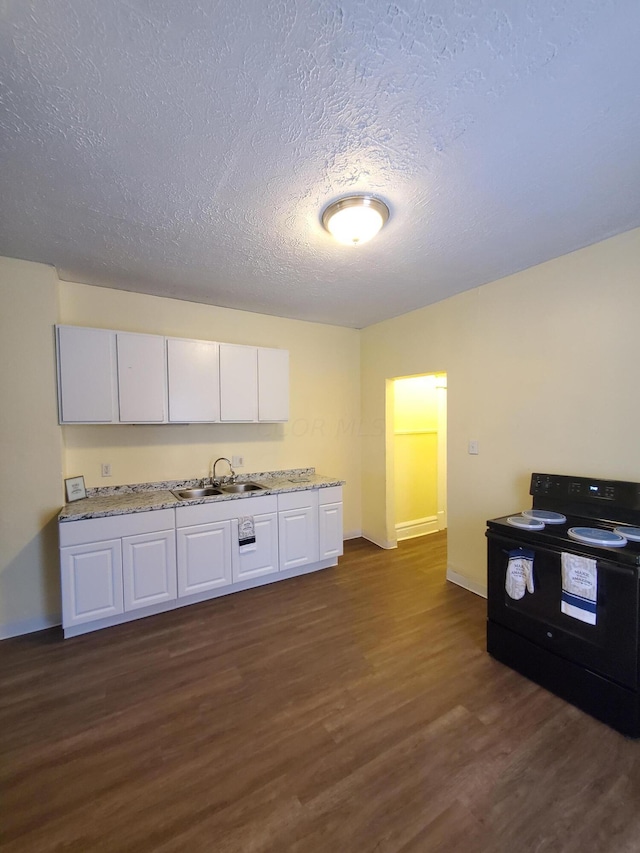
(473, 447)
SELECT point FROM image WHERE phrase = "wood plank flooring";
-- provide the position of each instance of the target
(348, 711)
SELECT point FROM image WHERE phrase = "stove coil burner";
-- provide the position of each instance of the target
(545, 515)
(525, 522)
(597, 536)
(630, 533)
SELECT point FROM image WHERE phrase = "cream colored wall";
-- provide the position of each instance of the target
(415, 448)
(323, 430)
(416, 472)
(416, 403)
(542, 370)
(30, 449)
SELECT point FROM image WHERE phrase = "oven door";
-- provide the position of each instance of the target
(609, 647)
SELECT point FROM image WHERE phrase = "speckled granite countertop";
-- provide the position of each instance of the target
(144, 497)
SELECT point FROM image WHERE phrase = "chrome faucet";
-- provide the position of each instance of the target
(231, 476)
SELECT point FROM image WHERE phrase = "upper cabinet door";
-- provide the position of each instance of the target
(194, 388)
(142, 378)
(86, 375)
(238, 383)
(273, 384)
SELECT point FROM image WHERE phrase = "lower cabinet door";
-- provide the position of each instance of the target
(149, 569)
(330, 530)
(91, 579)
(298, 529)
(261, 557)
(204, 557)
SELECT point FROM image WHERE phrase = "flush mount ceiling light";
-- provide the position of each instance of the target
(355, 219)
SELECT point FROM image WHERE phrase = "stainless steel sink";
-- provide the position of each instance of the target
(239, 488)
(189, 494)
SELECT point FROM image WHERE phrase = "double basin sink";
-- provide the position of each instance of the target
(212, 491)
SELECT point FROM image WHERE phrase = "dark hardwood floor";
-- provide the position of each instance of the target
(348, 711)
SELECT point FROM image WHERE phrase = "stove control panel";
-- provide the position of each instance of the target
(558, 487)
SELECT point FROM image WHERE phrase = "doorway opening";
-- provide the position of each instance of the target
(419, 453)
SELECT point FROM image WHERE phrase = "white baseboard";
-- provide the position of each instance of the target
(208, 595)
(381, 543)
(417, 527)
(29, 626)
(466, 583)
(352, 534)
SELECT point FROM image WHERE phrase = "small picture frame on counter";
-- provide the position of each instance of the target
(75, 489)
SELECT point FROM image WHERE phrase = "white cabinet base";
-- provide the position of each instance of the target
(261, 558)
(204, 557)
(124, 567)
(91, 582)
(149, 569)
(330, 530)
(96, 625)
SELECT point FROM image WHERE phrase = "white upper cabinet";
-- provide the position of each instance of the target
(273, 384)
(106, 376)
(238, 383)
(142, 378)
(194, 387)
(86, 375)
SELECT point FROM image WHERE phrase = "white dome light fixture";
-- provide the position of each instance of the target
(355, 219)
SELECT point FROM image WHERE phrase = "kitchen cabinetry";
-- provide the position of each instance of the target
(330, 533)
(238, 383)
(107, 376)
(261, 558)
(298, 528)
(91, 577)
(123, 567)
(209, 554)
(204, 557)
(116, 564)
(87, 388)
(193, 381)
(149, 569)
(254, 383)
(273, 384)
(142, 378)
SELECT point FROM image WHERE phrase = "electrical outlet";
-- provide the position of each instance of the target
(237, 461)
(473, 448)
(106, 469)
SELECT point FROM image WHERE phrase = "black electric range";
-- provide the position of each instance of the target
(588, 654)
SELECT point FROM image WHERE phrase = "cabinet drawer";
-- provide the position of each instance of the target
(299, 499)
(187, 516)
(115, 526)
(330, 495)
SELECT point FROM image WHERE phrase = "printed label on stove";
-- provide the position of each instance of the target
(579, 588)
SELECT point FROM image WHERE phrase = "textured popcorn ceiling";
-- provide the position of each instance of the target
(187, 148)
